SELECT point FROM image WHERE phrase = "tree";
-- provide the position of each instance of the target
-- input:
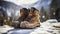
(43, 15)
(53, 7)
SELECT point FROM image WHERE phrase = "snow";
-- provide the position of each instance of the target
(5, 28)
(47, 28)
(21, 31)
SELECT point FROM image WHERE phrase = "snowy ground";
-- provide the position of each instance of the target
(5, 28)
(10, 30)
(21, 31)
(45, 28)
